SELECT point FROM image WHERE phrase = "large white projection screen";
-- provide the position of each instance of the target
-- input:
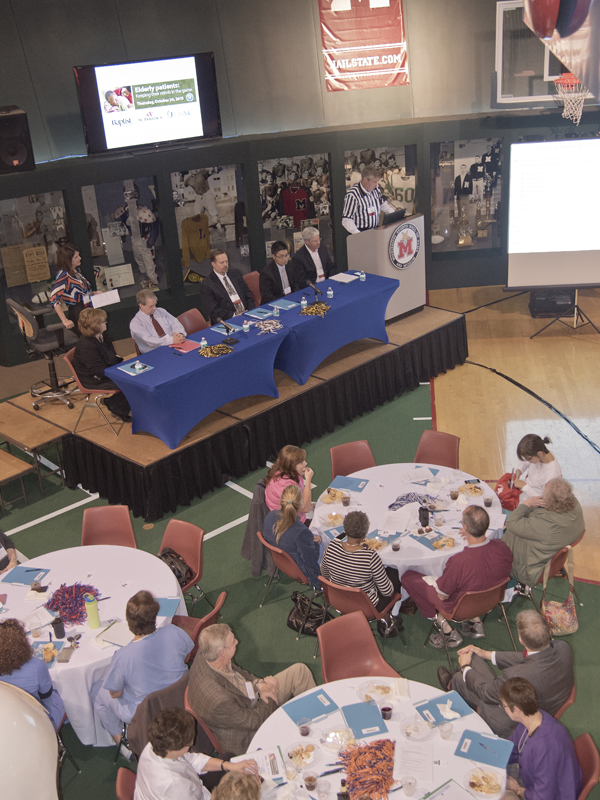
(554, 214)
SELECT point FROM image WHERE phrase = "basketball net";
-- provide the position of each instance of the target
(572, 93)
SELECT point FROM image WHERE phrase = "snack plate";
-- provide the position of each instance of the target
(415, 729)
(336, 739)
(477, 773)
(316, 753)
(373, 690)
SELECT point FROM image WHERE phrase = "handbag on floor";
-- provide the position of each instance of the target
(509, 497)
(561, 617)
(316, 614)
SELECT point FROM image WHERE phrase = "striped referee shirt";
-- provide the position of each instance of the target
(362, 569)
(363, 207)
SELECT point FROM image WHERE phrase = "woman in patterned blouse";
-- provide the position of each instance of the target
(70, 287)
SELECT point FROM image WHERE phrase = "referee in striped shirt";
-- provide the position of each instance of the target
(364, 201)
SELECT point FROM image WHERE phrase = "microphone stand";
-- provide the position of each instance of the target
(317, 291)
(229, 339)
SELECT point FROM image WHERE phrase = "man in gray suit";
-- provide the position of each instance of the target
(546, 664)
(232, 702)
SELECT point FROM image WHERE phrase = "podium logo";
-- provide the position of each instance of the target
(404, 246)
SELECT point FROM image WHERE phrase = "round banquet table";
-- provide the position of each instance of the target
(118, 573)
(280, 730)
(386, 483)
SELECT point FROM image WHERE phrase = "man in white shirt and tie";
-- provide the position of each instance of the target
(278, 278)
(224, 293)
(154, 327)
(312, 262)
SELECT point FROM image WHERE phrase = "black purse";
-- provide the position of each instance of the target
(316, 615)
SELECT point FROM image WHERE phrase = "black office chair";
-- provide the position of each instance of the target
(48, 341)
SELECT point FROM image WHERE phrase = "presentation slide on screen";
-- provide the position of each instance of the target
(150, 101)
(554, 208)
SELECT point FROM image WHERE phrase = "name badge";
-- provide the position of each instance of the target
(287, 290)
(250, 691)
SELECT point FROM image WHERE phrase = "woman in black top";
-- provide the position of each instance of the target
(94, 352)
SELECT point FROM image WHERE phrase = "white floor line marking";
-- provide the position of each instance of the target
(239, 489)
(227, 527)
(52, 515)
(425, 383)
(416, 419)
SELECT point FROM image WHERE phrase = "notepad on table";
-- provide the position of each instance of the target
(24, 575)
(131, 370)
(38, 618)
(349, 484)
(344, 277)
(259, 313)
(284, 305)
(186, 346)
(220, 328)
(364, 719)
(314, 706)
(117, 633)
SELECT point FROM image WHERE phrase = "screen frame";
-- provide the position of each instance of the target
(91, 111)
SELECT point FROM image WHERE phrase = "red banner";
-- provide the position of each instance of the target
(364, 44)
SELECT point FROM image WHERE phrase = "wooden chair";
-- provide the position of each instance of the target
(475, 604)
(557, 570)
(347, 599)
(285, 563)
(252, 280)
(568, 702)
(351, 457)
(194, 627)
(439, 448)
(193, 321)
(589, 761)
(213, 739)
(98, 395)
(107, 525)
(125, 787)
(349, 650)
(186, 540)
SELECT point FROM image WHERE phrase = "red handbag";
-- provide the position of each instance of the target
(509, 498)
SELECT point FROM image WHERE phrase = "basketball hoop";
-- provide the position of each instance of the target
(572, 93)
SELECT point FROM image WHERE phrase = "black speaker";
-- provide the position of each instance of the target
(16, 152)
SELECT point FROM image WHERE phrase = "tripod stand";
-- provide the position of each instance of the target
(579, 314)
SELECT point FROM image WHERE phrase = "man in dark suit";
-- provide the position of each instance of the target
(224, 293)
(546, 664)
(312, 262)
(278, 278)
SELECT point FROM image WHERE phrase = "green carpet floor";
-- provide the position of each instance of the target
(266, 645)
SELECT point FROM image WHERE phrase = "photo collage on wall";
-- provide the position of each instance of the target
(125, 236)
(32, 228)
(466, 179)
(295, 194)
(210, 210)
(398, 165)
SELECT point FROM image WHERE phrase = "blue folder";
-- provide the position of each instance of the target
(315, 706)
(364, 719)
(24, 575)
(220, 328)
(285, 305)
(425, 541)
(349, 484)
(168, 606)
(430, 712)
(486, 749)
(130, 369)
(259, 313)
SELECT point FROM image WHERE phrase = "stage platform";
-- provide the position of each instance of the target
(142, 472)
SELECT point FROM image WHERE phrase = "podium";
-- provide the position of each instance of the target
(395, 251)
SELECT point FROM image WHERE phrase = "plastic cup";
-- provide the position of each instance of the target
(346, 500)
(445, 730)
(304, 726)
(409, 784)
(487, 502)
(323, 788)
(454, 494)
(395, 546)
(310, 780)
(36, 632)
(290, 770)
(386, 711)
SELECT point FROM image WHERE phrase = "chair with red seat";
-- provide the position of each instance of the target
(349, 650)
(252, 281)
(436, 447)
(99, 394)
(186, 540)
(347, 599)
(193, 321)
(589, 761)
(213, 739)
(351, 457)
(285, 563)
(475, 604)
(194, 627)
(125, 788)
(568, 702)
(107, 525)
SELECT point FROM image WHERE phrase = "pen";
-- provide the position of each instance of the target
(103, 598)
(37, 569)
(332, 771)
(488, 749)
(177, 352)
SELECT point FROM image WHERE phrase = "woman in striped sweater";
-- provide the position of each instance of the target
(351, 563)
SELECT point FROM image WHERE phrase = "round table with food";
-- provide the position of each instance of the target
(117, 573)
(392, 496)
(381, 736)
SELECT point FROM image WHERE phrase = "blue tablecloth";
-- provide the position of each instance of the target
(169, 400)
(357, 312)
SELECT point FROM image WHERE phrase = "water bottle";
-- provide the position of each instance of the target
(203, 342)
(246, 326)
(330, 293)
(303, 302)
(138, 366)
(363, 276)
(275, 311)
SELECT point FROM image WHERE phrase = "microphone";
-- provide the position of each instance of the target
(229, 339)
(317, 291)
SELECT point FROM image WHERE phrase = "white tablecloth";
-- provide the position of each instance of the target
(279, 729)
(386, 483)
(118, 573)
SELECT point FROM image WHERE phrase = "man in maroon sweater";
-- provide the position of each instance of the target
(482, 564)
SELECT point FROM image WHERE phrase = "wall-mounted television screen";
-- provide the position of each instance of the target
(146, 103)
